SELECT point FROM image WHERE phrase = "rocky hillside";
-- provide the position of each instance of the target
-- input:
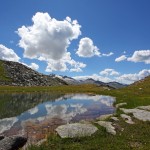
(16, 74)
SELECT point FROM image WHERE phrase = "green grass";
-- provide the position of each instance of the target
(3, 74)
(134, 137)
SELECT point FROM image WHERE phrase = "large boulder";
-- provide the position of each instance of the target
(12, 143)
(76, 130)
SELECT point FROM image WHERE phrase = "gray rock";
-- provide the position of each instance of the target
(114, 118)
(12, 143)
(127, 118)
(104, 117)
(144, 107)
(76, 130)
(139, 114)
(108, 125)
(120, 105)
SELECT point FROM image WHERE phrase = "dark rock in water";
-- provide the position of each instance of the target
(12, 143)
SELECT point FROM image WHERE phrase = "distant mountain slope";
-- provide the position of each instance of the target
(14, 73)
(116, 85)
(139, 88)
(72, 81)
(68, 80)
(141, 85)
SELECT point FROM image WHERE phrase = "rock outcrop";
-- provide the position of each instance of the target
(18, 74)
(12, 143)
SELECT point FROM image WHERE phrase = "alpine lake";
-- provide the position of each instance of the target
(37, 115)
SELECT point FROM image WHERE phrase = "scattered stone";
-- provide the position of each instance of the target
(108, 125)
(104, 117)
(76, 130)
(138, 113)
(127, 118)
(120, 105)
(136, 145)
(144, 107)
(114, 118)
(12, 143)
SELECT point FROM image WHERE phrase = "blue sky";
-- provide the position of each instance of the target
(109, 39)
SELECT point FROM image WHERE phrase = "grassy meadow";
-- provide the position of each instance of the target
(136, 136)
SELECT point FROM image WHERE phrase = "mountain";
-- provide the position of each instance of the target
(116, 85)
(17, 74)
(67, 79)
(72, 81)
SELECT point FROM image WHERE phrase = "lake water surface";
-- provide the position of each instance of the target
(36, 115)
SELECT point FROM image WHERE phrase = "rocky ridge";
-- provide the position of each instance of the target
(18, 74)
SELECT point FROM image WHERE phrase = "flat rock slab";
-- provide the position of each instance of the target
(127, 118)
(76, 130)
(12, 143)
(108, 125)
(139, 114)
(144, 107)
(104, 117)
(120, 105)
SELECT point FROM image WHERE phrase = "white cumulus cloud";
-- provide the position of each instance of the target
(8, 54)
(34, 66)
(87, 48)
(140, 56)
(130, 78)
(48, 39)
(109, 54)
(121, 58)
(109, 72)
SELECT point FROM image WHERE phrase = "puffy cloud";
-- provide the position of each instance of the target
(95, 77)
(62, 64)
(121, 58)
(140, 56)
(109, 72)
(8, 54)
(130, 78)
(109, 54)
(34, 66)
(86, 48)
(48, 39)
